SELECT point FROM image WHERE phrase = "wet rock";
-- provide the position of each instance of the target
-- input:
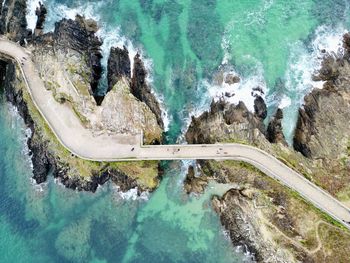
(140, 89)
(225, 122)
(229, 94)
(41, 13)
(260, 107)
(323, 128)
(274, 131)
(231, 208)
(122, 180)
(232, 79)
(118, 66)
(193, 184)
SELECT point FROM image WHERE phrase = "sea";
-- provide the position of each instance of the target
(188, 47)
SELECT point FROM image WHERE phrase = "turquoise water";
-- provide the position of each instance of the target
(271, 44)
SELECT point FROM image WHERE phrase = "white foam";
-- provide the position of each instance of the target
(329, 39)
(57, 12)
(26, 132)
(111, 36)
(303, 62)
(30, 16)
(285, 102)
(131, 194)
(242, 91)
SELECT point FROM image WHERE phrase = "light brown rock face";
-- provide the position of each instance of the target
(121, 112)
(226, 123)
(323, 128)
(63, 63)
(69, 62)
(275, 224)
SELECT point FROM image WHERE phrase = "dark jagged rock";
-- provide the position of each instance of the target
(122, 180)
(13, 21)
(229, 207)
(346, 45)
(41, 13)
(118, 66)
(193, 184)
(80, 35)
(323, 126)
(224, 121)
(260, 107)
(43, 159)
(141, 91)
(232, 79)
(275, 129)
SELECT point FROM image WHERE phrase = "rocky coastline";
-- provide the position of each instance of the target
(270, 221)
(76, 42)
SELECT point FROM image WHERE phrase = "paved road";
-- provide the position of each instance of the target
(84, 144)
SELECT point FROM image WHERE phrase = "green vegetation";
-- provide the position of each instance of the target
(145, 172)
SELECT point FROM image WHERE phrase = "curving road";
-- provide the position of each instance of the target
(84, 144)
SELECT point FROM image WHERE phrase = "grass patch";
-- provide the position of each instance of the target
(145, 172)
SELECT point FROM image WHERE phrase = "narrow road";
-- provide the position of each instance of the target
(84, 144)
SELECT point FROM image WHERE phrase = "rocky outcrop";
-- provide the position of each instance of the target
(13, 21)
(242, 227)
(232, 79)
(228, 122)
(69, 62)
(142, 91)
(118, 66)
(274, 131)
(323, 127)
(80, 35)
(41, 13)
(194, 184)
(260, 108)
(45, 157)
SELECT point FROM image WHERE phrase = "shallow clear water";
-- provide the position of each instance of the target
(271, 44)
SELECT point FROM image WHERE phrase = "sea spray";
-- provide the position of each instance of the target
(304, 61)
(26, 133)
(131, 194)
(110, 35)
